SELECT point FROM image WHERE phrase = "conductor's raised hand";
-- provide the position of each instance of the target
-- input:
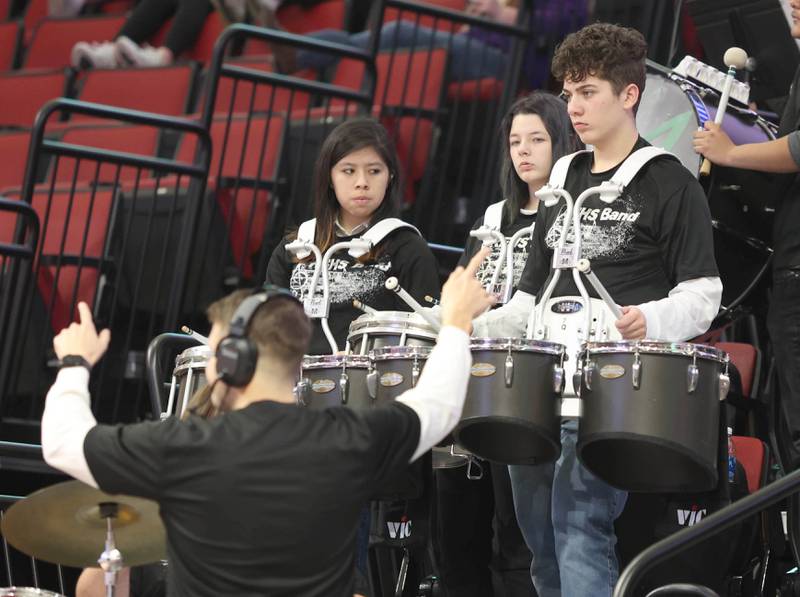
(463, 297)
(81, 338)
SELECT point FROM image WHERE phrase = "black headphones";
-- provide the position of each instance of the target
(237, 354)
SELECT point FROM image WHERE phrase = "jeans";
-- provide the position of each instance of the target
(783, 323)
(567, 516)
(470, 58)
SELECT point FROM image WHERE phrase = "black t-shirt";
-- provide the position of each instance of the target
(521, 250)
(404, 254)
(654, 236)
(259, 501)
(787, 212)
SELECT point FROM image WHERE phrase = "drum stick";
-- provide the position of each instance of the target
(585, 267)
(190, 332)
(365, 308)
(393, 285)
(429, 299)
(734, 58)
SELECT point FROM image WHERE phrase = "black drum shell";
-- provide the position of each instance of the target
(397, 366)
(520, 424)
(659, 438)
(357, 395)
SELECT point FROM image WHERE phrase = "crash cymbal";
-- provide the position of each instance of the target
(62, 524)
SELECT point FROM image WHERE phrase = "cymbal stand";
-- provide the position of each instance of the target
(111, 559)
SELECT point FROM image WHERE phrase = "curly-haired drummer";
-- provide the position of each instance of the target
(652, 249)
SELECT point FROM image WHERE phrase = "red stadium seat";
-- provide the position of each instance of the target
(5, 9)
(203, 47)
(35, 12)
(52, 40)
(392, 14)
(139, 140)
(753, 455)
(10, 40)
(242, 159)
(14, 149)
(24, 93)
(164, 90)
(482, 90)
(747, 360)
(330, 14)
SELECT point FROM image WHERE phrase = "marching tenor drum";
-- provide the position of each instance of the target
(188, 376)
(389, 328)
(333, 380)
(651, 414)
(397, 369)
(512, 410)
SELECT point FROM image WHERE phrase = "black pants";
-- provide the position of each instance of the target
(783, 322)
(188, 17)
(480, 551)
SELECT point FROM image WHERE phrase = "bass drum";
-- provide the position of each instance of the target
(672, 108)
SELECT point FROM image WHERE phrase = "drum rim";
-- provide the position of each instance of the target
(324, 361)
(686, 349)
(517, 344)
(390, 322)
(34, 590)
(193, 354)
(385, 353)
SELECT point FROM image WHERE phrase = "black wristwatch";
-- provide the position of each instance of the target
(74, 360)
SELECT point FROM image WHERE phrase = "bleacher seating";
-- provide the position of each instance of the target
(52, 40)
(24, 92)
(10, 40)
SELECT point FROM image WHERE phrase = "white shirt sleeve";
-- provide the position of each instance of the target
(509, 321)
(438, 397)
(66, 420)
(686, 312)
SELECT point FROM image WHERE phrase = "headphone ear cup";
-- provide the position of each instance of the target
(236, 361)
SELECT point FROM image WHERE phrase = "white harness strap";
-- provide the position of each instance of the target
(493, 216)
(635, 162)
(307, 233)
(380, 231)
(558, 175)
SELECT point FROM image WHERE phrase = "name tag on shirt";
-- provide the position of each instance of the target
(315, 307)
(565, 258)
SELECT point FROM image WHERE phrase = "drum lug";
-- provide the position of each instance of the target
(558, 378)
(725, 380)
(474, 476)
(301, 391)
(509, 369)
(588, 369)
(636, 372)
(692, 375)
(372, 383)
(414, 372)
(576, 379)
(344, 387)
(724, 385)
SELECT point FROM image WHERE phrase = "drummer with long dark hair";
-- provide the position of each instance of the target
(357, 183)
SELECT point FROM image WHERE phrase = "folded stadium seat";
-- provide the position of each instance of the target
(392, 14)
(239, 96)
(76, 225)
(24, 92)
(243, 174)
(52, 40)
(753, 454)
(116, 7)
(203, 47)
(34, 12)
(408, 100)
(329, 14)
(165, 90)
(10, 40)
(14, 149)
(139, 140)
(5, 9)
(747, 360)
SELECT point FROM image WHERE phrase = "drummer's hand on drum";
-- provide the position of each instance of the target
(632, 325)
(82, 338)
(713, 143)
(463, 297)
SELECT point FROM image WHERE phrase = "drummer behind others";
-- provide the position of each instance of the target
(655, 256)
(264, 498)
(783, 318)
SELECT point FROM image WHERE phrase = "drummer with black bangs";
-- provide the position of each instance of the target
(357, 185)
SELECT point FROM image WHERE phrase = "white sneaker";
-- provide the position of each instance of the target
(132, 54)
(94, 55)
